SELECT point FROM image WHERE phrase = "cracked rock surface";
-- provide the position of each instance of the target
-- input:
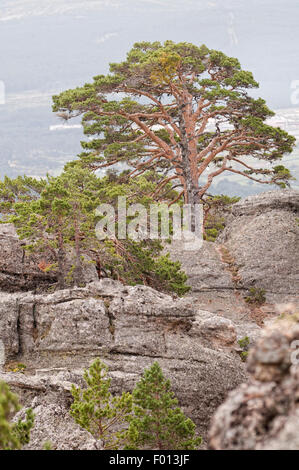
(128, 328)
(20, 272)
(50, 399)
(58, 335)
(263, 414)
(262, 234)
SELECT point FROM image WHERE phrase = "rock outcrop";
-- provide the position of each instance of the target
(17, 271)
(57, 335)
(263, 414)
(20, 272)
(50, 399)
(128, 328)
(262, 235)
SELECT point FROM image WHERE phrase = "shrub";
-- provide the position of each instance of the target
(13, 435)
(244, 345)
(215, 208)
(256, 296)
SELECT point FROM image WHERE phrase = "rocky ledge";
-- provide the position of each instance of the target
(128, 328)
(262, 234)
(20, 271)
(263, 414)
(57, 335)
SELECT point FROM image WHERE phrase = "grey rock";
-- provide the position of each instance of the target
(58, 335)
(288, 437)
(9, 334)
(50, 400)
(20, 272)
(263, 237)
(17, 271)
(264, 413)
(285, 199)
(128, 328)
(216, 330)
(203, 267)
(54, 425)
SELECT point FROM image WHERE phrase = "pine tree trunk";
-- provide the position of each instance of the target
(189, 167)
(61, 262)
(78, 262)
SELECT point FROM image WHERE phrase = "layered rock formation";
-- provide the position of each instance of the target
(263, 414)
(259, 248)
(50, 398)
(128, 328)
(21, 272)
(57, 335)
(262, 235)
(17, 271)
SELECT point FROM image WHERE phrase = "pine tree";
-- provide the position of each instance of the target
(62, 218)
(13, 435)
(57, 217)
(157, 422)
(135, 262)
(20, 189)
(97, 411)
(155, 111)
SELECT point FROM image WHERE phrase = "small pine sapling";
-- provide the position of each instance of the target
(157, 422)
(13, 435)
(95, 410)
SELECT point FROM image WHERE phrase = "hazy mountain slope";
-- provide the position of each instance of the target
(46, 47)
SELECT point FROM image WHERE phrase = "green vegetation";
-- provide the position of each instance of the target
(244, 345)
(147, 126)
(16, 367)
(149, 418)
(61, 218)
(215, 209)
(256, 296)
(59, 222)
(48, 445)
(178, 87)
(157, 422)
(95, 410)
(13, 435)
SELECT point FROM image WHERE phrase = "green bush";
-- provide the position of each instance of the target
(147, 419)
(215, 208)
(13, 435)
(244, 345)
(60, 217)
(256, 296)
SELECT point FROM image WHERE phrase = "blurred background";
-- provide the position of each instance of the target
(47, 46)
